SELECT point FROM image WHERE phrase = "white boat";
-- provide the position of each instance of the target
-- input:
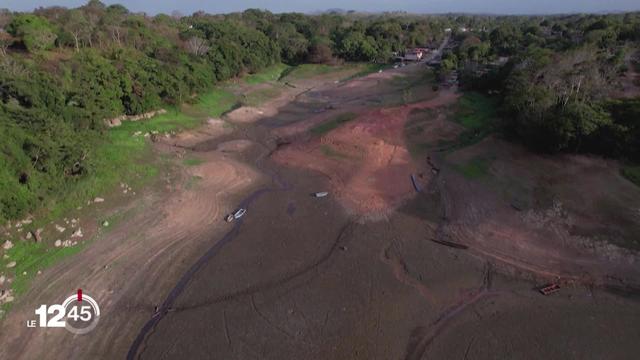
(229, 218)
(321, 194)
(239, 213)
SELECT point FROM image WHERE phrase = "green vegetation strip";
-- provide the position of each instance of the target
(260, 96)
(306, 71)
(217, 102)
(193, 182)
(475, 168)
(333, 123)
(476, 111)
(31, 257)
(331, 152)
(367, 69)
(192, 162)
(272, 73)
(632, 173)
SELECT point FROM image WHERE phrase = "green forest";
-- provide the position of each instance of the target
(558, 80)
(63, 72)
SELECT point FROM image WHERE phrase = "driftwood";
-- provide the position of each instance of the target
(450, 244)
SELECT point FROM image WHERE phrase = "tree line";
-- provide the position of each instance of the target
(559, 81)
(63, 71)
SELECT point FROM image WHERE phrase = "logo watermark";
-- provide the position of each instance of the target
(78, 313)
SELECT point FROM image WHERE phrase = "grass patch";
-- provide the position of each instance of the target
(115, 218)
(426, 77)
(272, 73)
(400, 81)
(331, 152)
(367, 69)
(632, 173)
(122, 158)
(476, 111)
(172, 120)
(305, 71)
(192, 182)
(475, 168)
(415, 134)
(192, 161)
(419, 149)
(260, 96)
(411, 89)
(333, 123)
(31, 257)
(216, 102)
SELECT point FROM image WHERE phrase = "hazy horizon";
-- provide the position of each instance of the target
(505, 7)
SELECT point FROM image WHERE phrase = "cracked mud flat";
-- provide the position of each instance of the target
(308, 278)
(336, 295)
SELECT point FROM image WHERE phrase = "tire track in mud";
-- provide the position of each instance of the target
(283, 279)
(419, 342)
(391, 256)
(401, 273)
(139, 344)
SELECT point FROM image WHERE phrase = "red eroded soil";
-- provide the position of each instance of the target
(366, 159)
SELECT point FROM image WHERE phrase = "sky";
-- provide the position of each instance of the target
(418, 6)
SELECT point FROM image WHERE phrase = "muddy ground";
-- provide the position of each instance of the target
(327, 282)
(358, 276)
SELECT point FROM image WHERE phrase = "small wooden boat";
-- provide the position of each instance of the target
(239, 213)
(549, 289)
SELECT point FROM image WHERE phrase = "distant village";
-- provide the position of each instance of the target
(432, 57)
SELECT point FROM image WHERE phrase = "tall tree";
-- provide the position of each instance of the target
(35, 32)
(75, 22)
(5, 41)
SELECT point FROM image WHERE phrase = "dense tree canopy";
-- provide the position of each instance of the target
(35, 32)
(561, 73)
